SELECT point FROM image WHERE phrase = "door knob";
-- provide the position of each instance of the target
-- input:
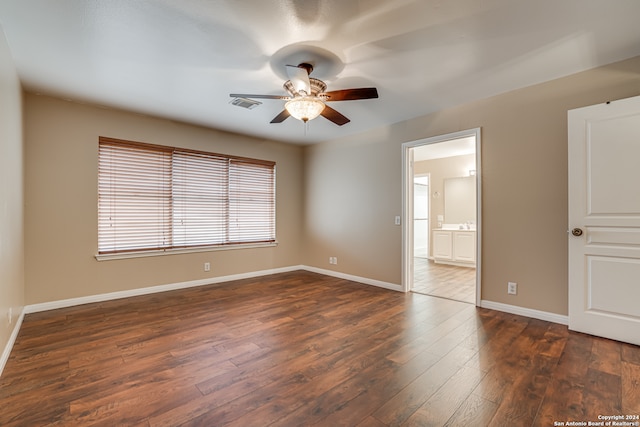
(576, 232)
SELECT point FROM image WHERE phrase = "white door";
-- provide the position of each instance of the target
(604, 220)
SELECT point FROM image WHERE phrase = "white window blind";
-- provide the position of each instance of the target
(161, 198)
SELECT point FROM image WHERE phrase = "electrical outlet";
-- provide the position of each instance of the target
(10, 316)
(207, 266)
(512, 288)
(333, 260)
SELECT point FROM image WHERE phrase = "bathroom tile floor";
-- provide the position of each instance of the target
(444, 281)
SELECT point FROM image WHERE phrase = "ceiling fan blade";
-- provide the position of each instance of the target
(334, 116)
(284, 114)
(244, 95)
(299, 78)
(351, 94)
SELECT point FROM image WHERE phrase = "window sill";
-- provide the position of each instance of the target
(144, 254)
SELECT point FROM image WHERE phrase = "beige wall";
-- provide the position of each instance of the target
(353, 187)
(352, 195)
(61, 140)
(11, 196)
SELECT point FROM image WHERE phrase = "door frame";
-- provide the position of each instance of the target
(428, 175)
(407, 205)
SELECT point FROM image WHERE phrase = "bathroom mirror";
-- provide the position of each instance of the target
(460, 200)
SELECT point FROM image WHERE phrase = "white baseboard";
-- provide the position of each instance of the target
(527, 312)
(12, 339)
(366, 281)
(52, 305)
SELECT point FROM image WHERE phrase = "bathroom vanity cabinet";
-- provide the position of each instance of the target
(456, 247)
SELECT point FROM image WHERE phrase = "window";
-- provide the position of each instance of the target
(154, 198)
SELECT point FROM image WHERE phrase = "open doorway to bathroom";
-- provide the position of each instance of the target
(442, 216)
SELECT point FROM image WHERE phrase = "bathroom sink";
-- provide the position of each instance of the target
(451, 226)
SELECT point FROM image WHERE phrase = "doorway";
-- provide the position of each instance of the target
(450, 265)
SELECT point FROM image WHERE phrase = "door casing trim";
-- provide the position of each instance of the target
(407, 205)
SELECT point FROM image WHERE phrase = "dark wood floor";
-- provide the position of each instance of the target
(444, 281)
(302, 349)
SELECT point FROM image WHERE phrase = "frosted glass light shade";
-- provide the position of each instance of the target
(305, 108)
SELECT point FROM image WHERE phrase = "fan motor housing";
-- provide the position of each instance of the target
(317, 86)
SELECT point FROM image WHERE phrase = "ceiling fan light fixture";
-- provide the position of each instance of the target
(305, 108)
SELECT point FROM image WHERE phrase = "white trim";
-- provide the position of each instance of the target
(527, 312)
(12, 340)
(364, 280)
(479, 227)
(407, 216)
(53, 305)
(34, 308)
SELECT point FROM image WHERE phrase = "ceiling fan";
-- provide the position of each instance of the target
(307, 97)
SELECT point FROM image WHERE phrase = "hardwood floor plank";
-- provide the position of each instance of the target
(552, 343)
(528, 371)
(603, 393)
(606, 356)
(399, 408)
(315, 411)
(566, 392)
(371, 422)
(520, 406)
(564, 401)
(630, 354)
(443, 404)
(300, 348)
(340, 364)
(377, 392)
(242, 409)
(494, 386)
(630, 388)
(474, 411)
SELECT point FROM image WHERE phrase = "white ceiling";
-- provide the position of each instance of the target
(180, 59)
